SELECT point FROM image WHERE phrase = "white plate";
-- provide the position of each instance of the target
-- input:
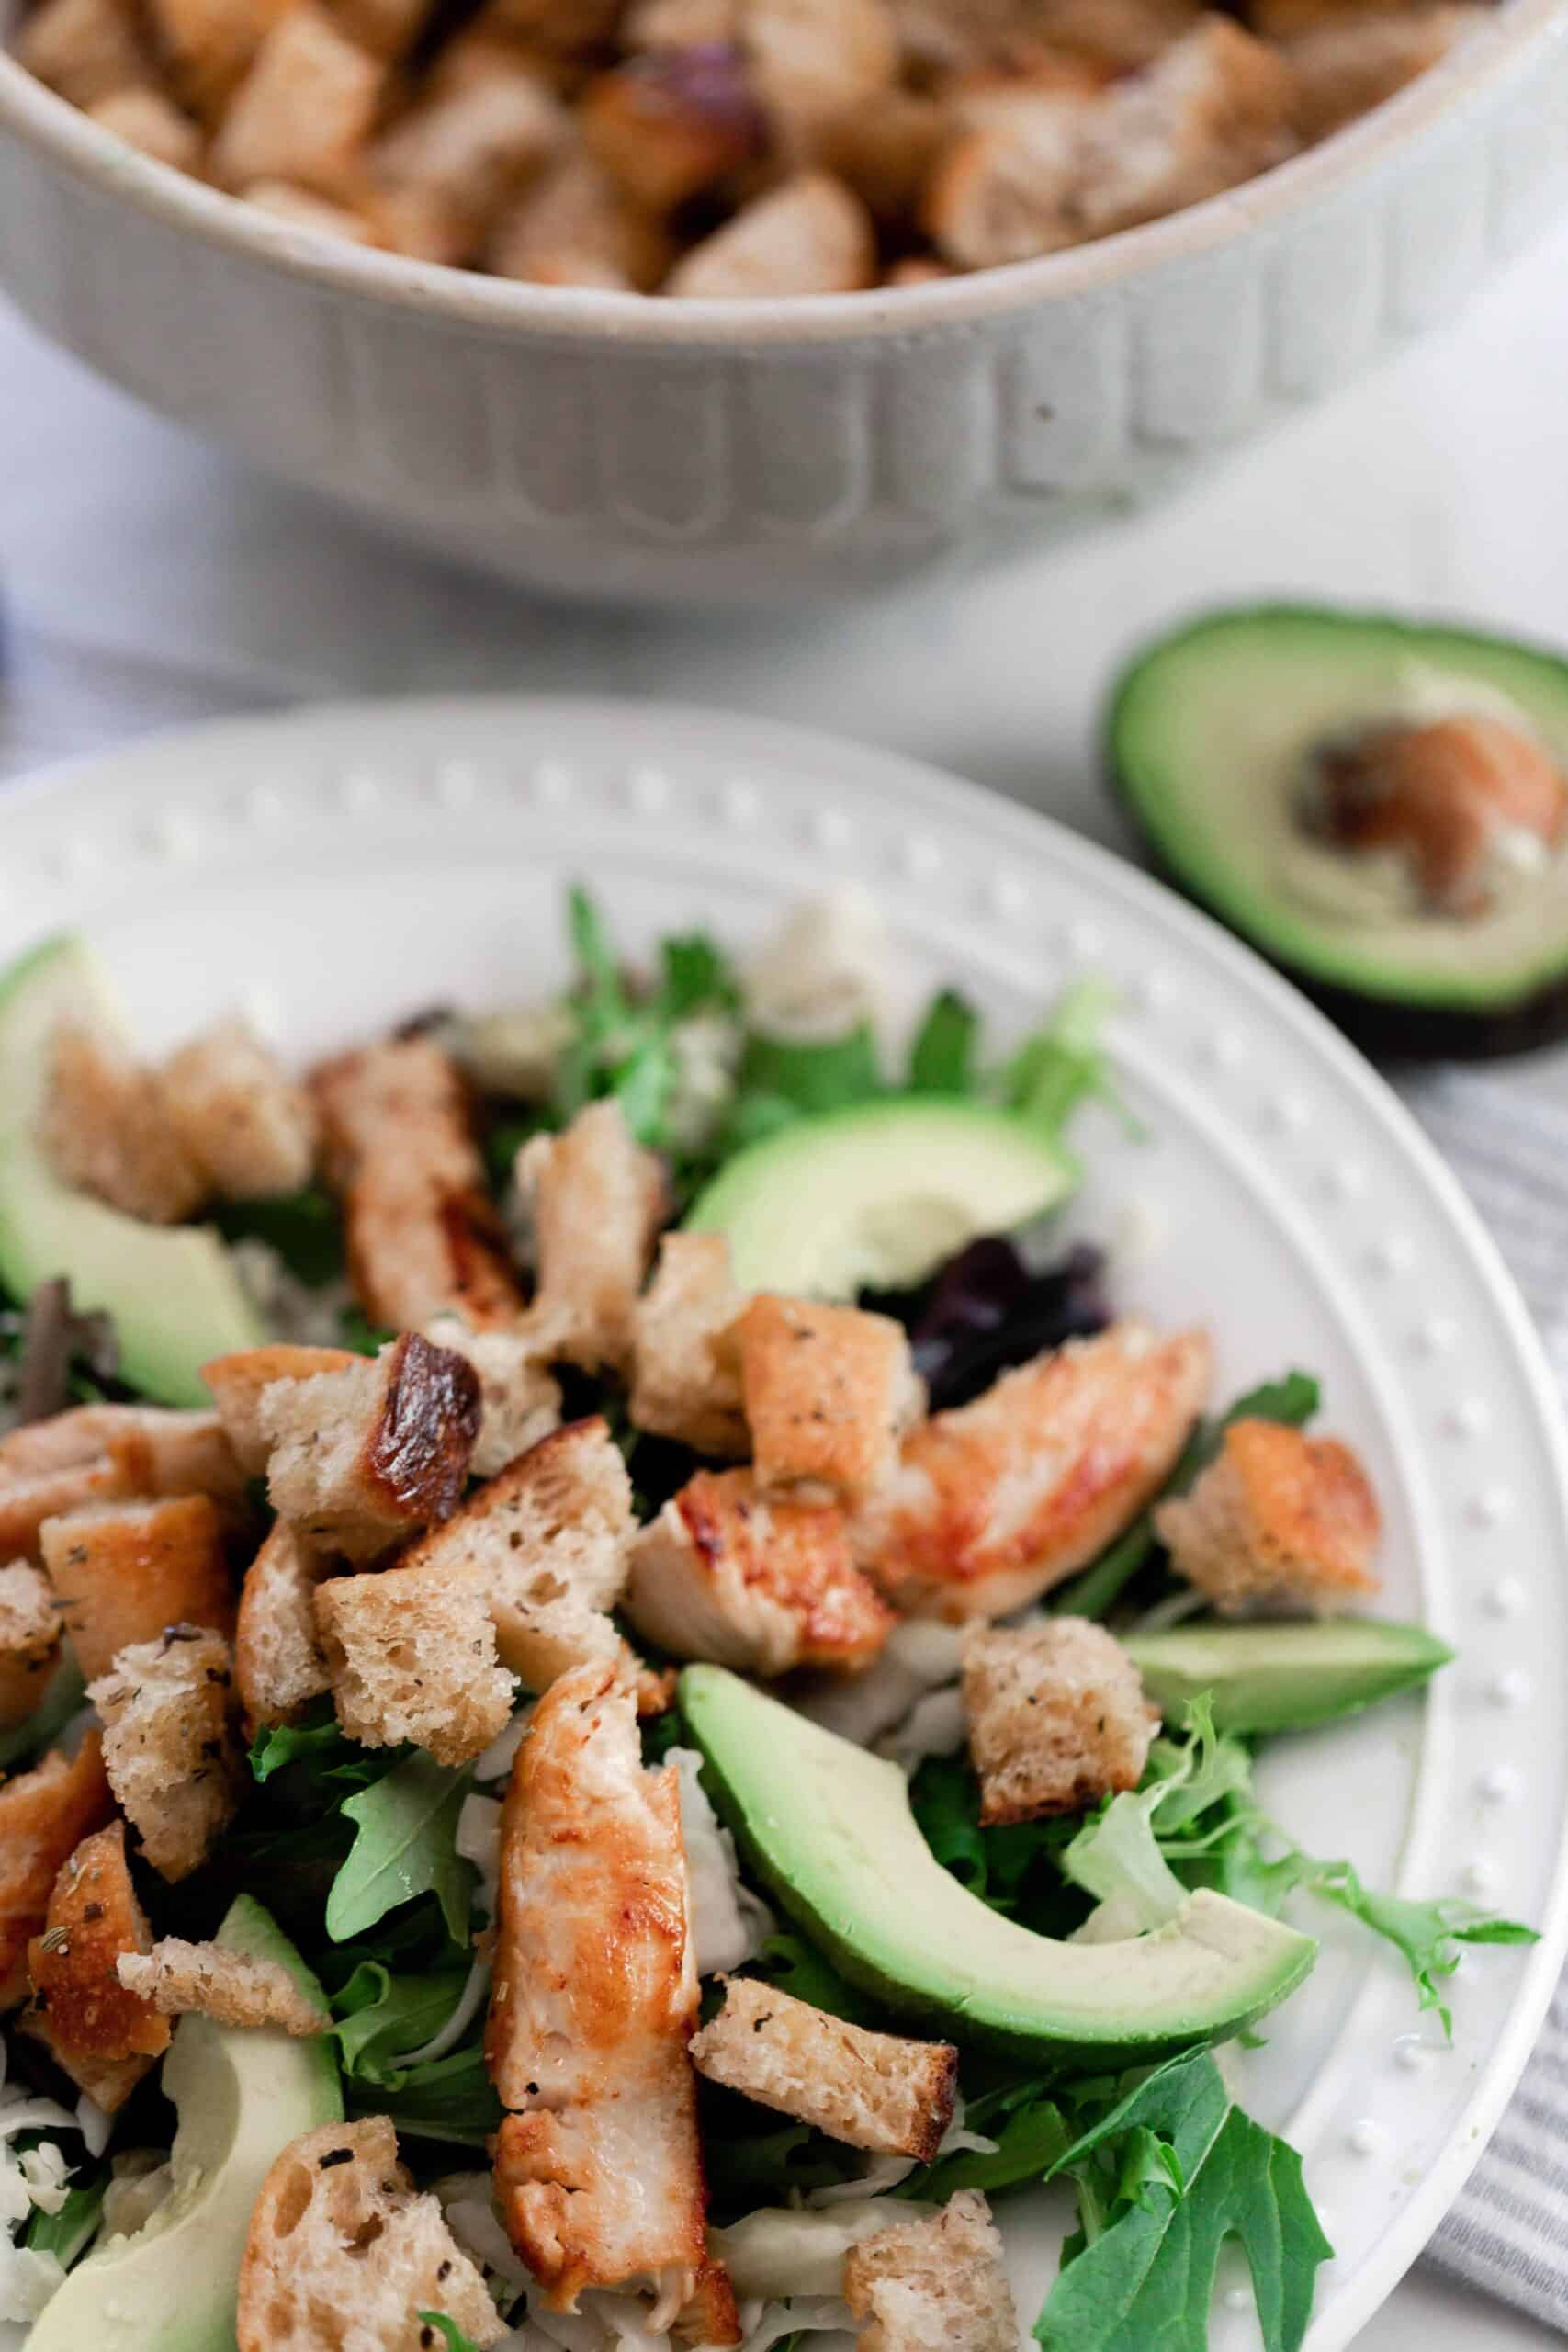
(339, 867)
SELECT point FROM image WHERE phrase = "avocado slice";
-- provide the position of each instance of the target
(242, 2093)
(1210, 737)
(827, 1825)
(875, 1198)
(1283, 1678)
(172, 1292)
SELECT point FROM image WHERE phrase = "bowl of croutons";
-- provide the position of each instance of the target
(719, 300)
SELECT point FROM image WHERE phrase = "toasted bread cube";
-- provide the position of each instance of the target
(519, 1398)
(169, 1744)
(1120, 34)
(994, 1503)
(387, 29)
(278, 1664)
(207, 47)
(546, 1543)
(918, 269)
(886, 150)
(147, 120)
(1349, 64)
(412, 1654)
(123, 1571)
(1285, 19)
(685, 1361)
(86, 50)
(1216, 109)
(104, 1130)
(938, 2285)
(44, 1816)
(813, 61)
(305, 109)
(238, 1384)
(871, 2090)
(668, 124)
(362, 1456)
(568, 27)
(1279, 1520)
(175, 1978)
(29, 1640)
(679, 23)
(245, 1121)
(829, 1392)
(1057, 1718)
(754, 1581)
(337, 2229)
(1008, 189)
(574, 227)
(160, 1450)
(28, 1500)
(810, 236)
(598, 1201)
(298, 208)
(459, 156)
(105, 2036)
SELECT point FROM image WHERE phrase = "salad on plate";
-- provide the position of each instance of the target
(629, 1693)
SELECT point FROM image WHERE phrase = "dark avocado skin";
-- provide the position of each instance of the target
(1385, 1028)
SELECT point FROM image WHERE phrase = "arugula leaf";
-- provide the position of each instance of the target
(813, 1079)
(379, 2014)
(406, 1826)
(1064, 1062)
(450, 2332)
(1002, 1865)
(942, 1059)
(305, 1229)
(1030, 2145)
(787, 1961)
(63, 1694)
(772, 2167)
(449, 2099)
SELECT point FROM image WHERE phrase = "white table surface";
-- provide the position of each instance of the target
(145, 581)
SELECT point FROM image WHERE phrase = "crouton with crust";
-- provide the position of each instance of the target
(575, 227)
(1352, 60)
(1057, 1717)
(162, 1450)
(1214, 109)
(871, 2090)
(304, 110)
(1284, 19)
(812, 235)
(411, 1654)
(1279, 1521)
(338, 2228)
(937, 2285)
(29, 1640)
(1121, 35)
(238, 1384)
(813, 62)
(233, 1988)
(170, 1749)
(1006, 190)
(754, 1581)
(886, 151)
(519, 1396)
(279, 1664)
(458, 155)
(685, 1379)
(28, 1498)
(298, 208)
(598, 1201)
(679, 23)
(592, 2002)
(103, 2035)
(45, 1812)
(148, 121)
(359, 1457)
(672, 122)
(207, 47)
(123, 1571)
(246, 1123)
(105, 1131)
(827, 1391)
(84, 49)
(996, 1501)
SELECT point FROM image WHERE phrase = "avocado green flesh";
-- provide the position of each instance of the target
(875, 1197)
(1283, 1678)
(172, 1292)
(1209, 730)
(242, 2093)
(829, 1827)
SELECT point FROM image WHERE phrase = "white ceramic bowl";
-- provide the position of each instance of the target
(606, 445)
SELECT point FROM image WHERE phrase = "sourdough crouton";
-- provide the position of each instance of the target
(148, 121)
(886, 150)
(1284, 19)
(1212, 110)
(298, 208)
(123, 1571)
(829, 1391)
(686, 1365)
(871, 2090)
(813, 62)
(423, 1238)
(26, 1500)
(1008, 189)
(86, 50)
(209, 46)
(338, 2231)
(175, 1978)
(753, 1581)
(1120, 34)
(519, 1398)
(1057, 1717)
(238, 1384)
(1279, 1520)
(597, 1201)
(44, 1816)
(278, 1664)
(546, 1543)
(1351, 63)
(679, 23)
(245, 1121)
(939, 2285)
(574, 227)
(29, 1640)
(459, 156)
(304, 110)
(670, 123)
(387, 29)
(570, 27)
(996, 1501)
(810, 236)
(105, 2036)
(170, 1749)
(362, 1456)
(410, 1653)
(105, 1131)
(162, 1452)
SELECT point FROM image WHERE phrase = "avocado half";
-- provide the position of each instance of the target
(827, 1826)
(1208, 734)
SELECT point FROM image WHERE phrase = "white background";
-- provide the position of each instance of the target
(145, 581)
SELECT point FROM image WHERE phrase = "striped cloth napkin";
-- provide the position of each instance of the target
(1508, 2232)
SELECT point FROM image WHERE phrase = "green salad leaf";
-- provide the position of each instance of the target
(449, 2099)
(942, 1059)
(68, 2233)
(406, 1824)
(451, 2334)
(379, 2014)
(812, 1077)
(305, 1229)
